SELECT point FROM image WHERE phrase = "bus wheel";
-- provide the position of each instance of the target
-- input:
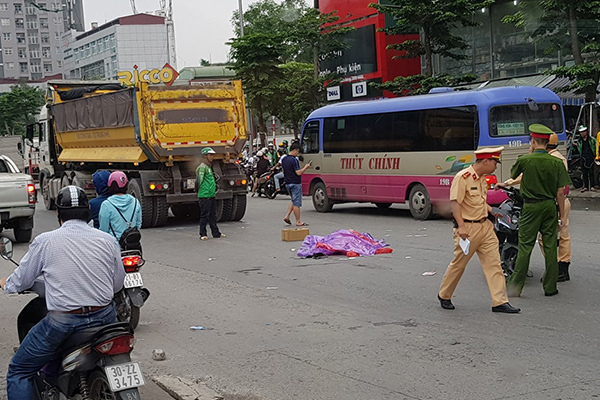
(321, 202)
(383, 206)
(419, 203)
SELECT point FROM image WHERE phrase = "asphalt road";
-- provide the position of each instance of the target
(279, 327)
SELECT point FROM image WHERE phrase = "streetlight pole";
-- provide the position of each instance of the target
(241, 18)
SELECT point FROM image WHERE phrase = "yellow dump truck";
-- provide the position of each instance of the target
(153, 133)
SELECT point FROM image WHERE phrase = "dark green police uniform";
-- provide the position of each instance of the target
(543, 175)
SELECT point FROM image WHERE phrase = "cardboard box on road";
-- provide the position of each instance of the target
(294, 234)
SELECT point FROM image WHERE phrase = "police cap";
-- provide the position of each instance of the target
(489, 152)
(540, 131)
(553, 140)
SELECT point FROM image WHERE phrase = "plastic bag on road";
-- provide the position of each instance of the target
(344, 241)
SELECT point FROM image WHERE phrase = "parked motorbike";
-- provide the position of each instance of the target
(507, 229)
(132, 297)
(95, 363)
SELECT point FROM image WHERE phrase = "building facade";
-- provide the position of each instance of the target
(30, 36)
(119, 45)
(366, 59)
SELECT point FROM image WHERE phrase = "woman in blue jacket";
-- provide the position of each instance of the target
(121, 210)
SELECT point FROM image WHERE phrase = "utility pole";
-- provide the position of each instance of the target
(241, 18)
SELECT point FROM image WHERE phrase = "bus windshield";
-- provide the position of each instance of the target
(514, 119)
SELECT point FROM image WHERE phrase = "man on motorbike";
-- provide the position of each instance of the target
(82, 270)
(262, 167)
(278, 176)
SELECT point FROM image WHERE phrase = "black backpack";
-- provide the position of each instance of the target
(130, 239)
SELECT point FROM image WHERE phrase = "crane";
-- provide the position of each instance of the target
(133, 7)
(167, 10)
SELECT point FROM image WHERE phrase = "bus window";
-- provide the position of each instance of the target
(514, 120)
(339, 135)
(453, 128)
(310, 138)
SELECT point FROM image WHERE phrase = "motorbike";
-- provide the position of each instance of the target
(269, 189)
(94, 364)
(507, 229)
(132, 297)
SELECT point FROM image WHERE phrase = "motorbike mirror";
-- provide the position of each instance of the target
(6, 248)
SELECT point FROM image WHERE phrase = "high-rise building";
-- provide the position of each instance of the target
(132, 42)
(30, 36)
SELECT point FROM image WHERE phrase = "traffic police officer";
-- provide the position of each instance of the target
(564, 247)
(564, 242)
(468, 195)
(542, 185)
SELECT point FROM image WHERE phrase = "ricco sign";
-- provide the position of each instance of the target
(165, 75)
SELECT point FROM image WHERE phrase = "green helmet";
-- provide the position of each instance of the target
(285, 142)
(207, 150)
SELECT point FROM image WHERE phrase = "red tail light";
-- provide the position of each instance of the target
(31, 193)
(132, 263)
(120, 345)
(491, 180)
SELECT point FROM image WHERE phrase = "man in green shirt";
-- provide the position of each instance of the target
(207, 189)
(542, 186)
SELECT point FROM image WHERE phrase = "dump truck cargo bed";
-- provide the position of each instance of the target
(159, 124)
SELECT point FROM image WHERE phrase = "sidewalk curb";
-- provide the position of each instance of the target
(185, 389)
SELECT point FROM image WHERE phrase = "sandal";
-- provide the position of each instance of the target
(203, 237)
(302, 224)
(583, 190)
(287, 221)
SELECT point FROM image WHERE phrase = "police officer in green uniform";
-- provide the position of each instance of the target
(542, 186)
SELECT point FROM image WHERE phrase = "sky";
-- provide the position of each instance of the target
(201, 26)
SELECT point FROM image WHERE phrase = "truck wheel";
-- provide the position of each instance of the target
(239, 207)
(224, 209)
(135, 189)
(419, 203)
(320, 200)
(22, 235)
(161, 209)
(45, 188)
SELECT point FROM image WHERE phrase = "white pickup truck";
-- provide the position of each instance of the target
(17, 200)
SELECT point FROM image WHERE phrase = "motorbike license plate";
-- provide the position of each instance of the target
(133, 279)
(124, 376)
(191, 183)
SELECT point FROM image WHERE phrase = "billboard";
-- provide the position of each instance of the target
(358, 58)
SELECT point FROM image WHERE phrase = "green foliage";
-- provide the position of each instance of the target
(422, 84)
(584, 79)
(257, 59)
(299, 93)
(280, 42)
(18, 108)
(435, 20)
(572, 27)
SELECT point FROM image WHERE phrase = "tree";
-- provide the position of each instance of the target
(279, 41)
(300, 94)
(435, 21)
(18, 109)
(573, 27)
(257, 59)
(421, 84)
